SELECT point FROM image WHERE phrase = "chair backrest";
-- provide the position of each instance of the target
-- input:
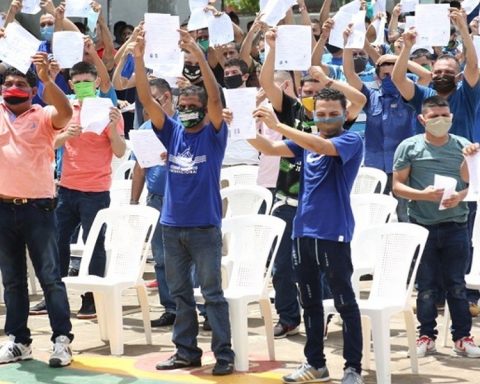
(117, 161)
(128, 228)
(252, 239)
(368, 179)
(372, 209)
(240, 175)
(394, 245)
(246, 199)
(120, 193)
(124, 170)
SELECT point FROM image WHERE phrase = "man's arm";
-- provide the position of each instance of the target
(105, 83)
(15, 7)
(401, 189)
(246, 48)
(393, 25)
(108, 48)
(273, 91)
(319, 47)
(349, 70)
(324, 11)
(119, 82)
(138, 182)
(405, 86)
(61, 22)
(269, 147)
(117, 142)
(469, 150)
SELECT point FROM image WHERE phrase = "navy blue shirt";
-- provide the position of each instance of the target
(324, 210)
(192, 192)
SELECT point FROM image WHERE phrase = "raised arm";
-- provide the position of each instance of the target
(273, 91)
(404, 85)
(348, 67)
(319, 48)
(108, 48)
(61, 22)
(325, 11)
(393, 25)
(105, 83)
(246, 48)
(15, 7)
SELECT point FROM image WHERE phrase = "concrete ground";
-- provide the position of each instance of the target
(94, 364)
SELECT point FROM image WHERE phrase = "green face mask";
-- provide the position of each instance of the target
(203, 44)
(84, 89)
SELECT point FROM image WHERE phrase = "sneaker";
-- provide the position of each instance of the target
(152, 284)
(39, 309)
(425, 346)
(280, 330)
(87, 310)
(466, 347)
(474, 309)
(168, 318)
(62, 354)
(351, 376)
(12, 351)
(307, 374)
(222, 368)
(206, 325)
(176, 362)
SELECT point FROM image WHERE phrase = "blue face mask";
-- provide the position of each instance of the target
(46, 33)
(388, 88)
(261, 57)
(329, 120)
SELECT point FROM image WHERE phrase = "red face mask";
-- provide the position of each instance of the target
(14, 95)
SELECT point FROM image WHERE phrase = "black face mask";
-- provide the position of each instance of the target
(444, 84)
(360, 63)
(332, 49)
(234, 81)
(192, 72)
(15, 100)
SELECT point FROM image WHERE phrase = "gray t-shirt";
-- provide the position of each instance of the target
(426, 160)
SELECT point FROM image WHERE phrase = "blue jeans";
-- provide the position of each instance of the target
(156, 201)
(32, 225)
(202, 247)
(74, 208)
(314, 256)
(283, 275)
(445, 252)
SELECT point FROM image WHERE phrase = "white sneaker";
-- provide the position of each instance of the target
(12, 351)
(62, 354)
(466, 347)
(425, 346)
(307, 374)
(350, 376)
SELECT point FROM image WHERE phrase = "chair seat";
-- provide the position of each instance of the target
(98, 282)
(472, 281)
(387, 306)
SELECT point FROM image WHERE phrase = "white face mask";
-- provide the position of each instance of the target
(438, 126)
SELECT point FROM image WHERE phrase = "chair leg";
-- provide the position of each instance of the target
(381, 347)
(411, 332)
(266, 311)
(114, 315)
(143, 301)
(239, 325)
(446, 325)
(367, 336)
(99, 299)
(31, 276)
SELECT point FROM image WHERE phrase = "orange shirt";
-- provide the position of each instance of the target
(86, 164)
(26, 153)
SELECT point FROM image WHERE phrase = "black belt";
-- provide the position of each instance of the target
(16, 201)
(47, 204)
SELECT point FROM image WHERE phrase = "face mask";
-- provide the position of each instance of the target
(46, 33)
(427, 66)
(438, 126)
(191, 117)
(308, 103)
(234, 81)
(360, 62)
(388, 88)
(329, 120)
(192, 72)
(203, 43)
(261, 57)
(14, 96)
(84, 89)
(444, 84)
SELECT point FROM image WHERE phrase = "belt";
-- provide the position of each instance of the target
(287, 200)
(16, 201)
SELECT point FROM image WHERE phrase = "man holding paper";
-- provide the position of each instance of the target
(426, 171)
(192, 211)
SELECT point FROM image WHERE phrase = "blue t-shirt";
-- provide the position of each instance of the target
(463, 104)
(192, 192)
(324, 210)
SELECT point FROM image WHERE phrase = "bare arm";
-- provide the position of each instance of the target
(138, 182)
(273, 91)
(424, 75)
(117, 142)
(246, 48)
(105, 83)
(319, 48)
(404, 85)
(470, 73)
(325, 11)
(15, 7)
(119, 82)
(269, 147)
(393, 25)
(108, 48)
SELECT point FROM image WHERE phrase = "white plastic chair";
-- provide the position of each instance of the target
(367, 180)
(395, 246)
(129, 228)
(117, 161)
(252, 239)
(240, 175)
(246, 199)
(124, 169)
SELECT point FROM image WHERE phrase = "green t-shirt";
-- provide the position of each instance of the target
(426, 160)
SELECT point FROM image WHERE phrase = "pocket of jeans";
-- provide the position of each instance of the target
(46, 205)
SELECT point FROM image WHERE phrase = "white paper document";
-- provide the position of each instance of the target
(476, 43)
(408, 5)
(198, 19)
(194, 4)
(67, 48)
(31, 7)
(275, 10)
(409, 22)
(289, 54)
(220, 29)
(242, 102)
(95, 114)
(380, 6)
(147, 147)
(448, 184)
(18, 46)
(473, 164)
(357, 37)
(469, 5)
(341, 20)
(128, 108)
(92, 19)
(77, 8)
(379, 25)
(263, 4)
(432, 22)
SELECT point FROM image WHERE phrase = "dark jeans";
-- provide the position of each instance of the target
(314, 256)
(31, 225)
(202, 247)
(74, 208)
(445, 252)
(156, 201)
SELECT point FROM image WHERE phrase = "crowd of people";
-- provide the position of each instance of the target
(407, 110)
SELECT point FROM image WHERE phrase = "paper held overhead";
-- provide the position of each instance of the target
(289, 55)
(432, 22)
(275, 10)
(31, 7)
(77, 8)
(18, 46)
(242, 102)
(220, 29)
(67, 48)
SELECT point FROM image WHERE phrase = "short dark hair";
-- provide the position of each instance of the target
(237, 63)
(328, 94)
(434, 101)
(307, 79)
(83, 67)
(161, 84)
(118, 26)
(30, 76)
(234, 17)
(420, 52)
(194, 90)
(449, 56)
